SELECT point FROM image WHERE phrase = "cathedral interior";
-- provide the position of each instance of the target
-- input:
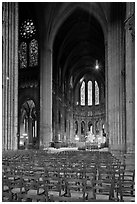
(68, 77)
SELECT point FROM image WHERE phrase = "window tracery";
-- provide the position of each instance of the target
(28, 50)
(27, 29)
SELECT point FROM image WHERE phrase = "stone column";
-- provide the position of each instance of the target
(62, 124)
(30, 130)
(114, 91)
(46, 98)
(10, 75)
(130, 78)
(94, 127)
(68, 128)
(71, 127)
(106, 87)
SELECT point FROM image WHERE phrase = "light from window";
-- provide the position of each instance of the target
(33, 53)
(23, 55)
(90, 93)
(96, 93)
(82, 91)
(27, 29)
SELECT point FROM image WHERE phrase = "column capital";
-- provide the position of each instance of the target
(130, 25)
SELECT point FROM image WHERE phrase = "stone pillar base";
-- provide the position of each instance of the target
(118, 151)
(125, 157)
(119, 148)
(130, 160)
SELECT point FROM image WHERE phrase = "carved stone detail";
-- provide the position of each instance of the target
(130, 25)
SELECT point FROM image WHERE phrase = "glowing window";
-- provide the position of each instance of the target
(96, 93)
(27, 29)
(82, 91)
(33, 53)
(23, 55)
(90, 93)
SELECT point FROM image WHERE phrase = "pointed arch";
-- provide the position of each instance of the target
(28, 124)
(82, 127)
(69, 9)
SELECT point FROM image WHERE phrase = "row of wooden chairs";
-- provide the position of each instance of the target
(69, 188)
(55, 185)
(67, 177)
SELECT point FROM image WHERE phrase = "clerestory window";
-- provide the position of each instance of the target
(89, 93)
(82, 91)
(96, 93)
(92, 93)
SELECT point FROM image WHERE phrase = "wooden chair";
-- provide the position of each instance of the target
(53, 183)
(6, 189)
(35, 190)
(90, 175)
(18, 188)
(73, 185)
(7, 197)
(103, 186)
(126, 185)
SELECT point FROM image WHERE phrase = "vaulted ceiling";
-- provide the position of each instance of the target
(78, 44)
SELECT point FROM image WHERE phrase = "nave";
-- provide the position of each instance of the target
(68, 80)
(65, 176)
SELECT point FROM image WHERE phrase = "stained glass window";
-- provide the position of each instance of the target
(96, 93)
(23, 55)
(29, 47)
(27, 29)
(33, 53)
(82, 91)
(90, 93)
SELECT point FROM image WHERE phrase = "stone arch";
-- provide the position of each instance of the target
(68, 8)
(83, 126)
(28, 124)
(90, 124)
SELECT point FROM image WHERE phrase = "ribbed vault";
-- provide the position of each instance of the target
(78, 44)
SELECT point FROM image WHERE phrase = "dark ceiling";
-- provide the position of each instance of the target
(77, 46)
